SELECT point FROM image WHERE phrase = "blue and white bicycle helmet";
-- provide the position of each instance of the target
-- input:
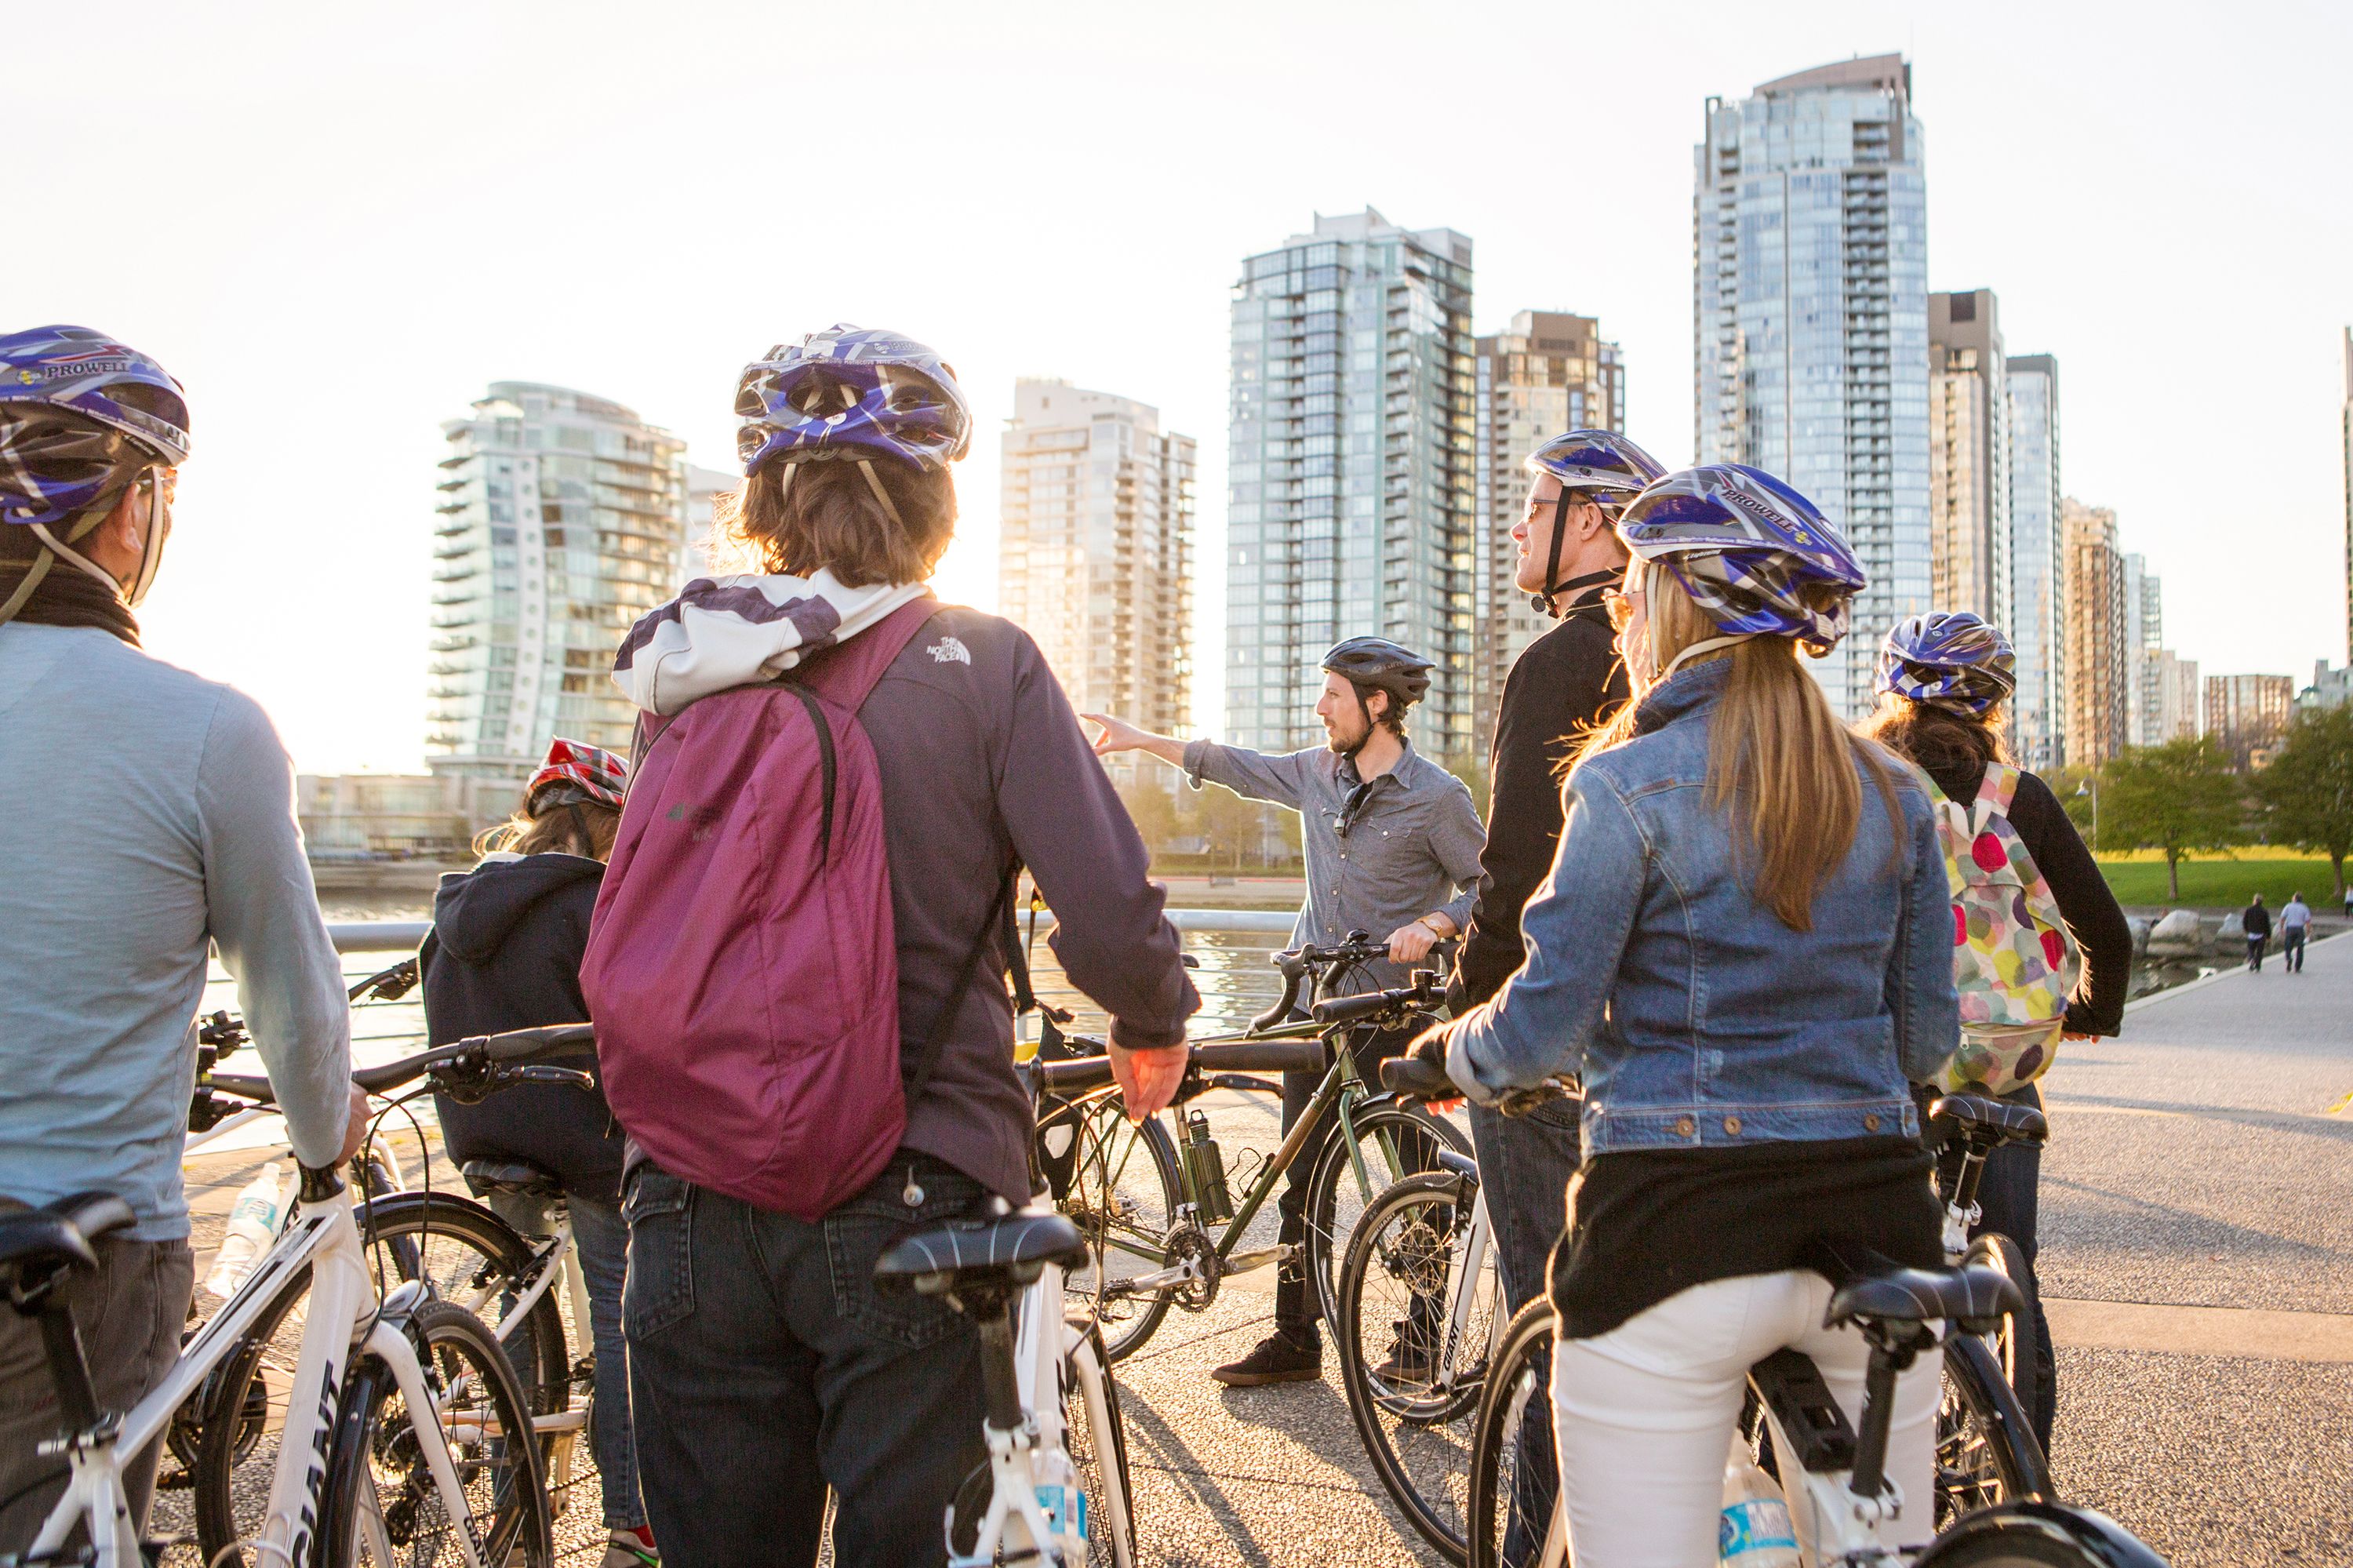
(82, 419)
(849, 392)
(1599, 466)
(1757, 557)
(1951, 659)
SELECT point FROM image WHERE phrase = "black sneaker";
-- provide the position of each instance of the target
(1279, 1358)
(1413, 1360)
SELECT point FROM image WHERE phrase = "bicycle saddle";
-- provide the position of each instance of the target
(47, 1241)
(1011, 1249)
(520, 1177)
(1985, 1119)
(1973, 1296)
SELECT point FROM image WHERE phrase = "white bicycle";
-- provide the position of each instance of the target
(396, 1412)
(1055, 1487)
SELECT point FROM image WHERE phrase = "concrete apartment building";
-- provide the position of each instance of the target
(2038, 564)
(2248, 714)
(1810, 298)
(1095, 558)
(704, 486)
(1547, 372)
(1352, 482)
(2098, 665)
(1968, 457)
(560, 522)
(2143, 648)
(2181, 700)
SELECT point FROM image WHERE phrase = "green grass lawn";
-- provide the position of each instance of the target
(2215, 882)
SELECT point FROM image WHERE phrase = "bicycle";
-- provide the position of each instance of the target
(1147, 1215)
(416, 1399)
(1428, 1236)
(458, 1250)
(1844, 1493)
(1056, 1484)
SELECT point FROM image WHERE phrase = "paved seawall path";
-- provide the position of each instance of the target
(2197, 1262)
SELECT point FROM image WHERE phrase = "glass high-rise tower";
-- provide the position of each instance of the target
(1810, 296)
(1095, 556)
(2038, 564)
(560, 522)
(1351, 486)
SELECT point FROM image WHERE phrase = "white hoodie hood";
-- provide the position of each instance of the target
(730, 632)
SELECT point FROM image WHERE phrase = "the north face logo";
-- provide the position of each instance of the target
(948, 650)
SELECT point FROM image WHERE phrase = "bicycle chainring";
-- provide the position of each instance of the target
(1191, 1244)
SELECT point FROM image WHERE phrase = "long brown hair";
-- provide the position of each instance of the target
(1938, 738)
(1776, 749)
(585, 828)
(826, 514)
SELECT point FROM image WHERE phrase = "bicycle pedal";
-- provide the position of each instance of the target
(1244, 1262)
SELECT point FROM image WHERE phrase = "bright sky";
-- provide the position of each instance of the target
(336, 224)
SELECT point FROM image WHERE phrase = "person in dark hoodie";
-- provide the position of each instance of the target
(504, 953)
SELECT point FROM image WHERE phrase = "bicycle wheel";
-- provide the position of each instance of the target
(1514, 1477)
(2017, 1344)
(1412, 1372)
(1096, 1435)
(1117, 1181)
(383, 1507)
(1985, 1451)
(1392, 1141)
(464, 1250)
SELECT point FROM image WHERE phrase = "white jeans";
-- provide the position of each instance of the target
(1644, 1416)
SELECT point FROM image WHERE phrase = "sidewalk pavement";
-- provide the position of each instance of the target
(2197, 1262)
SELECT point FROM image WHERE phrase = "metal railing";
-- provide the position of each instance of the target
(402, 936)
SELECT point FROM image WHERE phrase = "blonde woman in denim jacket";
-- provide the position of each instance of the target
(1744, 951)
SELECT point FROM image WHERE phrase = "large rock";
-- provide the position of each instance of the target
(2139, 927)
(2180, 932)
(2233, 933)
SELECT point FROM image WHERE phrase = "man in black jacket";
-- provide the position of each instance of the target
(1564, 683)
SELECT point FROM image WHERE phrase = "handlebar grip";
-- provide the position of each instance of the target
(1261, 1056)
(1072, 1078)
(1410, 1077)
(548, 1040)
(1283, 1004)
(1371, 1004)
(254, 1089)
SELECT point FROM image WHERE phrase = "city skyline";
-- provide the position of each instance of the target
(349, 248)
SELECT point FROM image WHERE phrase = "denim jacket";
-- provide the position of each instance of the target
(1694, 1017)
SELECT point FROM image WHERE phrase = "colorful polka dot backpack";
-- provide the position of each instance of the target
(2013, 962)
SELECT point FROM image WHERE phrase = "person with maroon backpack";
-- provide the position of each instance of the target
(797, 974)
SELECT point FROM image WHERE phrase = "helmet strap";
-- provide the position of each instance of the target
(580, 834)
(1542, 602)
(159, 517)
(874, 483)
(59, 548)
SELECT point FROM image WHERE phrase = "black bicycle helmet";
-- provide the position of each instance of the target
(1377, 665)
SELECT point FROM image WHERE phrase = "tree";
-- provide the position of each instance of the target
(2308, 788)
(1148, 801)
(2177, 797)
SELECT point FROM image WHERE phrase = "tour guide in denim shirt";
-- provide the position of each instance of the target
(1392, 842)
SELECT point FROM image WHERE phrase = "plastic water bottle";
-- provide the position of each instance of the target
(252, 1227)
(1755, 1530)
(1063, 1501)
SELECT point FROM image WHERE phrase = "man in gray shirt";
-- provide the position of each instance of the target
(151, 817)
(1392, 845)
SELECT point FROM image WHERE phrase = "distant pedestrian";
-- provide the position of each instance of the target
(2295, 923)
(2257, 924)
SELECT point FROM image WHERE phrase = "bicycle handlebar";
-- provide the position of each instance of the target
(1297, 963)
(481, 1062)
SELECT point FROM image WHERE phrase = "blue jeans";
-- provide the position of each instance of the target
(604, 1244)
(2291, 948)
(766, 1367)
(2010, 1204)
(1526, 1164)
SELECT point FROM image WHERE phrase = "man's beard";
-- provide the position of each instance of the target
(1342, 745)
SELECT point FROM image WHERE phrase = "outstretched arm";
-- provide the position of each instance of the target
(1118, 735)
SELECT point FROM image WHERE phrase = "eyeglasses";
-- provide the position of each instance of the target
(1619, 603)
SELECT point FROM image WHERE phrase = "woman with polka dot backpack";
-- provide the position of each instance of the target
(2040, 951)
